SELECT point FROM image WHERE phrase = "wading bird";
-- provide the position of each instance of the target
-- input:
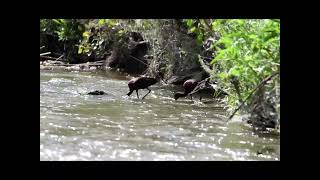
(140, 83)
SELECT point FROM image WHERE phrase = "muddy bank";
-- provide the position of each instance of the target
(52, 65)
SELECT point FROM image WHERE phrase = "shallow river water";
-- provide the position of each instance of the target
(115, 127)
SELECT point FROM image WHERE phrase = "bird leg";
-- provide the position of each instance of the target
(191, 96)
(147, 93)
(137, 93)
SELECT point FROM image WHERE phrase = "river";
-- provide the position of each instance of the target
(115, 127)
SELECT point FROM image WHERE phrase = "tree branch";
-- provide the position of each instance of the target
(51, 58)
(258, 87)
(46, 53)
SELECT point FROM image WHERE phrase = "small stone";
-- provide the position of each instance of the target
(97, 93)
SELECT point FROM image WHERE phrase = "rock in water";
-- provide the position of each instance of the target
(97, 93)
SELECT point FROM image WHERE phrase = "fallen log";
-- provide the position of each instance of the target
(83, 64)
(51, 58)
(59, 57)
(46, 53)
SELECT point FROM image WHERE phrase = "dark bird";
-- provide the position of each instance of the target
(188, 86)
(141, 83)
(208, 90)
(202, 89)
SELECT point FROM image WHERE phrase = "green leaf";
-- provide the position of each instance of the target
(56, 21)
(214, 60)
(240, 22)
(189, 22)
(102, 22)
(223, 75)
(120, 32)
(111, 22)
(226, 41)
(193, 29)
(80, 50)
(85, 34)
(234, 71)
(200, 38)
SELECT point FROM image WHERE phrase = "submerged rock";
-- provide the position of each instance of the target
(97, 93)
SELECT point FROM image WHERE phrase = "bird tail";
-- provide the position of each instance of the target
(129, 93)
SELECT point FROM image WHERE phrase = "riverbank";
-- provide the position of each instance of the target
(58, 65)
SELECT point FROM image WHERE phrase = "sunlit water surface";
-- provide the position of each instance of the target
(74, 126)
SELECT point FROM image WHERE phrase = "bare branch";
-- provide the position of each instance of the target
(258, 87)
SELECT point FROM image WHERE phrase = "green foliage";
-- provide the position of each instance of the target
(65, 28)
(246, 49)
(101, 22)
(252, 47)
(196, 26)
(70, 29)
(48, 25)
(98, 33)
